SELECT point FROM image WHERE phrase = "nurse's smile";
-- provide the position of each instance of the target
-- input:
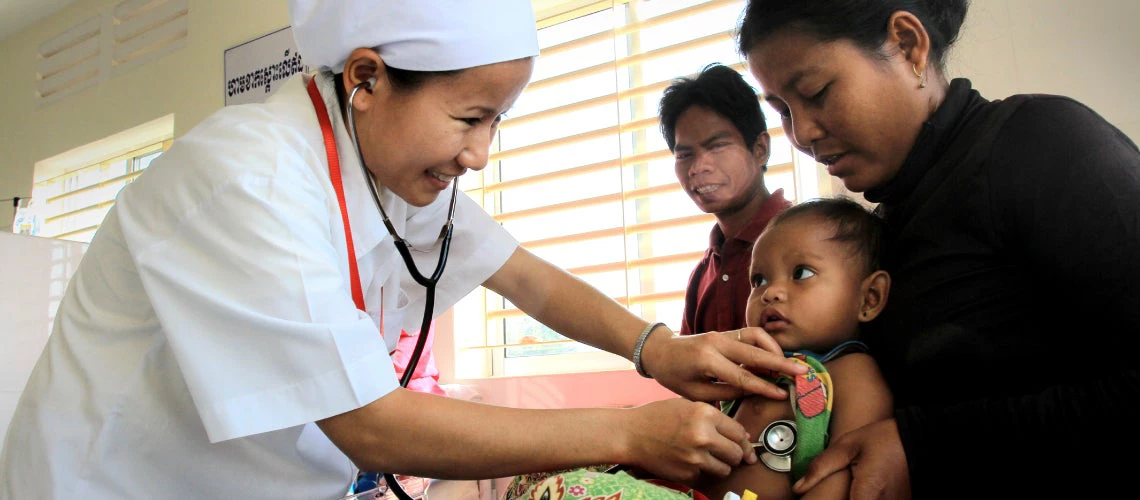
(417, 141)
(441, 181)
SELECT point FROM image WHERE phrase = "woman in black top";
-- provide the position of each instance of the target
(1011, 335)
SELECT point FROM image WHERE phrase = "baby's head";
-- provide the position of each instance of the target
(815, 275)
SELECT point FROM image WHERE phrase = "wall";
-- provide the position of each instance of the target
(36, 274)
(1080, 49)
(187, 83)
(1085, 50)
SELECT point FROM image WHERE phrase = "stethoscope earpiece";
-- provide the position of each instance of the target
(402, 247)
(366, 86)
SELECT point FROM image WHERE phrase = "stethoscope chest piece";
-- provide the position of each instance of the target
(776, 444)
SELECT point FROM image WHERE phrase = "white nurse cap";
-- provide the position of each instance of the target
(417, 35)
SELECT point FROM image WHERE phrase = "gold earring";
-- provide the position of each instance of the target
(920, 74)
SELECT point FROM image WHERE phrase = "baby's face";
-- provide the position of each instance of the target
(806, 288)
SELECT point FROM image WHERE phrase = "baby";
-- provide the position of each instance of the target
(815, 279)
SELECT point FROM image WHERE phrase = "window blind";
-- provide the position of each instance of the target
(75, 202)
(580, 174)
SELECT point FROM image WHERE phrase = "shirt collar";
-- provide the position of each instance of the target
(771, 206)
(368, 229)
(932, 141)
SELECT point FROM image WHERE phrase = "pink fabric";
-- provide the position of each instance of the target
(426, 377)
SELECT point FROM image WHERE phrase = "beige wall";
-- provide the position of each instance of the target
(1081, 49)
(187, 83)
(29, 296)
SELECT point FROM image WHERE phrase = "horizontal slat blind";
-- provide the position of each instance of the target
(75, 203)
(580, 174)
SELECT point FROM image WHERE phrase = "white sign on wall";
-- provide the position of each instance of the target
(254, 69)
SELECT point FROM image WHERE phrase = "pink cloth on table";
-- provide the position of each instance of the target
(426, 377)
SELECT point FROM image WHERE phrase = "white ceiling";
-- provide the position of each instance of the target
(15, 15)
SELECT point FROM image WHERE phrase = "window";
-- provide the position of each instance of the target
(582, 177)
(75, 190)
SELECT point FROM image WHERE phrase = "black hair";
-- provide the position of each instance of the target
(403, 80)
(864, 22)
(855, 226)
(406, 79)
(722, 90)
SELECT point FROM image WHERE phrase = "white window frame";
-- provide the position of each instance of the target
(74, 190)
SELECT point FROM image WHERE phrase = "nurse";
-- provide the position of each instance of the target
(228, 332)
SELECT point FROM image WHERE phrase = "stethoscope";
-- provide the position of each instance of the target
(404, 248)
(774, 447)
(776, 444)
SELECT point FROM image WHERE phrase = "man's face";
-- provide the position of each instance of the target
(716, 168)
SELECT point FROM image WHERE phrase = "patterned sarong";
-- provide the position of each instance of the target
(592, 483)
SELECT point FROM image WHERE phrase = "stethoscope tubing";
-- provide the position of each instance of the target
(429, 283)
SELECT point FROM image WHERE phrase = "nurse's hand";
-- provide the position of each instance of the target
(680, 440)
(717, 366)
(876, 457)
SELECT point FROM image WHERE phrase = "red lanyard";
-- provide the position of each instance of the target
(338, 186)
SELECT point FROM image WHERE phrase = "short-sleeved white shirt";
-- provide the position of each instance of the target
(211, 320)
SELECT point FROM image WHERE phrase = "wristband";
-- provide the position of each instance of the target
(641, 344)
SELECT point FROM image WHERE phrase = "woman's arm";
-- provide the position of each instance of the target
(434, 436)
(754, 414)
(862, 397)
(686, 365)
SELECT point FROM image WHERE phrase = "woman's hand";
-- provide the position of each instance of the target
(875, 455)
(707, 367)
(717, 366)
(680, 440)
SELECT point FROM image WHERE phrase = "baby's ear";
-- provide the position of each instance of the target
(875, 289)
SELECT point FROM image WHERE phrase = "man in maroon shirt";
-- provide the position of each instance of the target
(717, 133)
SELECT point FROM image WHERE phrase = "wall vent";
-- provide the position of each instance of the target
(119, 39)
(146, 30)
(71, 61)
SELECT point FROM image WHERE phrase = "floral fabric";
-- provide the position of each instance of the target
(592, 483)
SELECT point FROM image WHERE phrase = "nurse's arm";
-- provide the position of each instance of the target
(567, 304)
(685, 365)
(434, 436)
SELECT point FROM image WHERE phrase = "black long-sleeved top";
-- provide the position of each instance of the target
(1010, 337)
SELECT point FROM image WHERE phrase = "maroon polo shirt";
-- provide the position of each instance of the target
(719, 286)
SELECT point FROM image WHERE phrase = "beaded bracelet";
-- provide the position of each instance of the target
(641, 344)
